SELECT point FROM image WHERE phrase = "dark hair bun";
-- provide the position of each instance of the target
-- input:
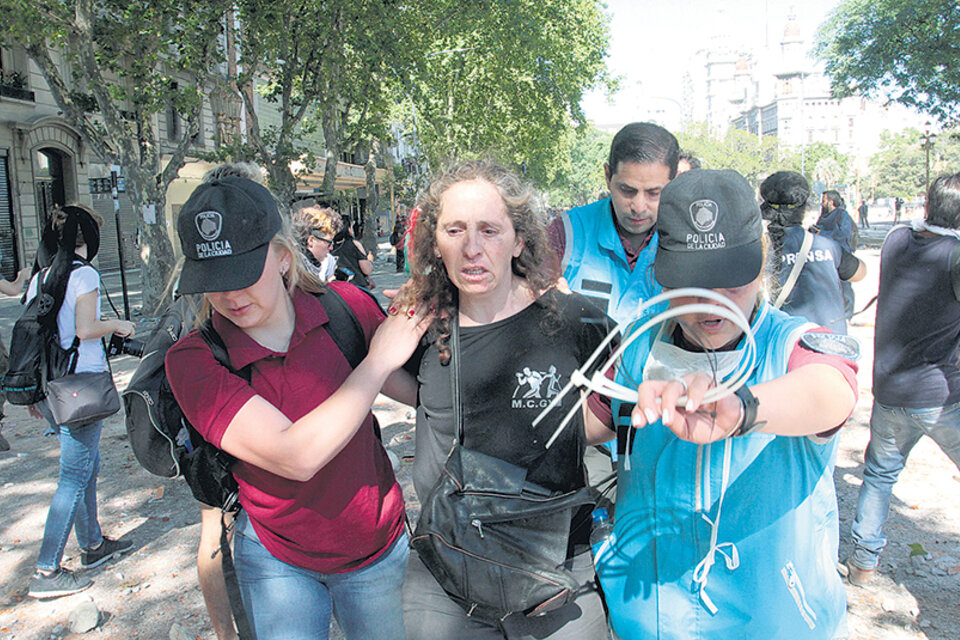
(785, 188)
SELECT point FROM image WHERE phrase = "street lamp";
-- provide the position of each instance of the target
(926, 142)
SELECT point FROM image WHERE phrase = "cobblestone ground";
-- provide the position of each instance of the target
(152, 593)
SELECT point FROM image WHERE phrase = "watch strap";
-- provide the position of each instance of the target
(749, 403)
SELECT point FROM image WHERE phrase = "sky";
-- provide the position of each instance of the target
(653, 41)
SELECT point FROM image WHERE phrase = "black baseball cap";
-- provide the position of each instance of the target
(225, 228)
(710, 231)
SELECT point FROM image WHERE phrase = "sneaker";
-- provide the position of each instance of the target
(59, 583)
(4, 445)
(860, 577)
(90, 558)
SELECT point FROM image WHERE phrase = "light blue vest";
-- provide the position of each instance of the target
(595, 264)
(778, 519)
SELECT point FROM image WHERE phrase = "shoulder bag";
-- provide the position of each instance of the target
(496, 542)
(76, 399)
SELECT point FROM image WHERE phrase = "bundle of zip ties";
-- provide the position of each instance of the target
(601, 384)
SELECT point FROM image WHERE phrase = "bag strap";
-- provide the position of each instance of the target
(343, 326)
(455, 375)
(244, 631)
(53, 335)
(797, 268)
(219, 349)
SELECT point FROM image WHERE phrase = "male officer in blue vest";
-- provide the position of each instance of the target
(607, 247)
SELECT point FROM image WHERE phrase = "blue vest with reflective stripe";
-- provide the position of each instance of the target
(779, 511)
(595, 263)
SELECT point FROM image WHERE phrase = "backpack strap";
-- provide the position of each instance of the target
(219, 349)
(244, 630)
(344, 329)
(343, 326)
(795, 271)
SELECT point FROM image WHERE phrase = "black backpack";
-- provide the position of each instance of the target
(163, 441)
(35, 352)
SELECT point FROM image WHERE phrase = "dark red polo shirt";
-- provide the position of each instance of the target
(352, 509)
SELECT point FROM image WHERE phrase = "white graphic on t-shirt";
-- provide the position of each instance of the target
(535, 388)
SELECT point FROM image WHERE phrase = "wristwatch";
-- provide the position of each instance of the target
(749, 404)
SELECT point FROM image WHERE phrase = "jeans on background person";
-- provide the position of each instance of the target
(893, 433)
(74, 504)
(289, 603)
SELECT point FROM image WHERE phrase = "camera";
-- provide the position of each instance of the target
(118, 344)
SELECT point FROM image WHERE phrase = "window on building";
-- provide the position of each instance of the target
(175, 123)
(173, 118)
(14, 79)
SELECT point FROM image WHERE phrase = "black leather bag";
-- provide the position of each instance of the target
(495, 542)
(77, 399)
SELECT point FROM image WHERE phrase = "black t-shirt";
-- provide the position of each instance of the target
(510, 370)
(918, 322)
(348, 258)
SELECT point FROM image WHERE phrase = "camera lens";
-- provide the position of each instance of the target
(133, 348)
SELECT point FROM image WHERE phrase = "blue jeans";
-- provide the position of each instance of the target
(893, 433)
(285, 602)
(74, 503)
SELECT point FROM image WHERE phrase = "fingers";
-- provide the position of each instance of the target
(697, 386)
(669, 397)
(391, 293)
(647, 410)
(670, 401)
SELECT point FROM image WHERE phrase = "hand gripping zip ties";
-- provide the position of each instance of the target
(599, 383)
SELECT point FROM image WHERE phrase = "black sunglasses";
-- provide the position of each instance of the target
(316, 234)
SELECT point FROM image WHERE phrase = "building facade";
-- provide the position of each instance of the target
(44, 162)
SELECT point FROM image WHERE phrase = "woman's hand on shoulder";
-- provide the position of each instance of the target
(691, 420)
(398, 336)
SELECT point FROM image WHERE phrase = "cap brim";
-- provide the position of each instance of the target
(225, 273)
(718, 269)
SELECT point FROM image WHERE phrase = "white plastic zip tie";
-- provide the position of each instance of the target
(599, 383)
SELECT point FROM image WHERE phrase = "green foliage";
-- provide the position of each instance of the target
(818, 161)
(111, 66)
(130, 55)
(585, 180)
(905, 50)
(505, 79)
(899, 167)
(752, 156)
(326, 64)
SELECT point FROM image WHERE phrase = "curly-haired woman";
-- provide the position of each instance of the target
(480, 260)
